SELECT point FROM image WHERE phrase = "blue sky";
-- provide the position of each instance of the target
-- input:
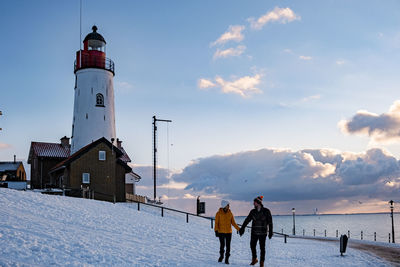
(306, 70)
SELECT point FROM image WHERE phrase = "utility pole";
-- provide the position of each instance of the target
(155, 153)
(391, 214)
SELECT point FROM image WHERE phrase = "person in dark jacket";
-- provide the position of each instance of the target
(260, 228)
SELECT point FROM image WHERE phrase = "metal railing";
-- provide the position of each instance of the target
(96, 62)
(285, 236)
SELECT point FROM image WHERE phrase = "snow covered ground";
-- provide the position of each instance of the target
(43, 230)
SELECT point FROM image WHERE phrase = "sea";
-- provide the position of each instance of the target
(374, 227)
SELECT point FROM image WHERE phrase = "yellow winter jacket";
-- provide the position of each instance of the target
(223, 222)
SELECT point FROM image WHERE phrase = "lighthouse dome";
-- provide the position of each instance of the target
(95, 36)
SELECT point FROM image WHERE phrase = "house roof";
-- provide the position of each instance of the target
(9, 165)
(124, 157)
(120, 155)
(48, 150)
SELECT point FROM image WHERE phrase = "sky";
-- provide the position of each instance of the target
(293, 100)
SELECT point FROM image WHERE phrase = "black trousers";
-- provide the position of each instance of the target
(225, 239)
(253, 243)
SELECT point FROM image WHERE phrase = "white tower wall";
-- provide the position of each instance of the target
(90, 121)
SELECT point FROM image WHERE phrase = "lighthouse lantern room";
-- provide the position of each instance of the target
(94, 115)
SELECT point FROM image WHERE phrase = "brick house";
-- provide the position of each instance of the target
(43, 157)
(95, 171)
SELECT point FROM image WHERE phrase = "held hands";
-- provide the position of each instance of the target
(241, 231)
(216, 234)
(270, 235)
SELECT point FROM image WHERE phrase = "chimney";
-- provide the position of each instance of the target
(119, 142)
(65, 141)
(15, 158)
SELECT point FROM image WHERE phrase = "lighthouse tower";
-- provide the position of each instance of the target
(94, 115)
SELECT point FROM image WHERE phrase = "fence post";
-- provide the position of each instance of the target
(325, 232)
(337, 233)
(361, 235)
(303, 232)
(212, 223)
(374, 236)
(285, 239)
(389, 237)
(138, 206)
(187, 217)
(162, 211)
(348, 233)
(314, 232)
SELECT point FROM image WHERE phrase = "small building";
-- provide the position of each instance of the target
(43, 157)
(95, 171)
(12, 174)
(12, 171)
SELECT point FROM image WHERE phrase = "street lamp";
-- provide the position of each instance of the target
(294, 222)
(391, 215)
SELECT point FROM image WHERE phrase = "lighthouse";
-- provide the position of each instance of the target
(94, 115)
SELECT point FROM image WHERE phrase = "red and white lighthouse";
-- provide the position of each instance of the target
(94, 115)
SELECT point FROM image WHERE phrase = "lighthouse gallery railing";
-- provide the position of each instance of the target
(95, 62)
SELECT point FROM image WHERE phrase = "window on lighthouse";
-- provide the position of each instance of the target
(99, 100)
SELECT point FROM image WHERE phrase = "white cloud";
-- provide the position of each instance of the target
(305, 57)
(4, 146)
(287, 50)
(340, 62)
(123, 87)
(383, 128)
(230, 52)
(280, 15)
(205, 83)
(311, 98)
(234, 33)
(245, 86)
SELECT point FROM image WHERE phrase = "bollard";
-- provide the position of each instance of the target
(314, 232)
(343, 244)
(337, 233)
(348, 233)
(374, 236)
(138, 206)
(187, 217)
(303, 232)
(285, 239)
(361, 235)
(389, 237)
(162, 211)
(325, 232)
(212, 224)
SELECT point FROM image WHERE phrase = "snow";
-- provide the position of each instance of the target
(42, 230)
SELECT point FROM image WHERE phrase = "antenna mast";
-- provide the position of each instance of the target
(155, 153)
(80, 35)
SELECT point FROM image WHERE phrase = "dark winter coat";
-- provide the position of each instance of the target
(262, 222)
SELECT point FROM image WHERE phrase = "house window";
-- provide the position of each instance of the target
(99, 100)
(102, 155)
(85, 178)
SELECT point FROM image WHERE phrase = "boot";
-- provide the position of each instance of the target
(221, 256)
(254, 261)
(227, 258)
(261, 263)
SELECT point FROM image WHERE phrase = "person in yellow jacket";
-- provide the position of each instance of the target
(224, 220)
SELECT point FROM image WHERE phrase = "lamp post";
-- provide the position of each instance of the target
(391, 215)
(294, 222)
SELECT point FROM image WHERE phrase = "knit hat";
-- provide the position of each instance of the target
(259, 199)
(224, 203)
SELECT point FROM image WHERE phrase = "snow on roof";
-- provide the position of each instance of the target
(125, 158)
(9, 165)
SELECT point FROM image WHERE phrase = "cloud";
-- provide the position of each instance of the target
(285, 176)
(280, 15)
(234, 33)
(124, 87)
(311, 98)
(4, 146)
(340, 62)
(305, 57)
(383, 128)
(230, 52)
(205, 84)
